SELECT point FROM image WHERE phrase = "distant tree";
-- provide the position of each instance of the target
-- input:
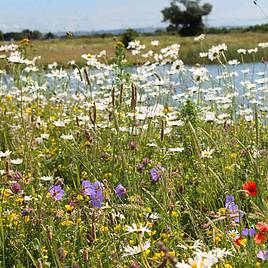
(11, 36)
(128, 36)
(49, 35)
(1, 36)
(185, 16)
(26, 34)
(36, 35)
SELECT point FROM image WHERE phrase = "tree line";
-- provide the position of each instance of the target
(31, 35)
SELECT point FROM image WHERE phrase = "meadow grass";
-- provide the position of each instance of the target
(100, 167)
(65, 50)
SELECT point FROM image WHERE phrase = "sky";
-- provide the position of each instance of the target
(94, 15)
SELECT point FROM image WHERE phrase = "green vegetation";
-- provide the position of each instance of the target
(64, 50)
(186, 16)
(161, 166)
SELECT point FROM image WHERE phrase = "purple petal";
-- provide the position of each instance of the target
(263, 255)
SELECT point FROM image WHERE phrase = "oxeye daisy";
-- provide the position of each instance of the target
(234, 234)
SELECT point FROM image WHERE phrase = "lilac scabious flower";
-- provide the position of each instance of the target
(248, 232)
(120, 190)
(56, 192)
(157, 173)
(94, 191)
(263, 255)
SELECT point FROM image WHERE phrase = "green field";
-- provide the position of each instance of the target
(64, 50)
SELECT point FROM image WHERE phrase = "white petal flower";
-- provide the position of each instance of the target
(130, 251)
(46, 178)
(5, 154)
(17, 161)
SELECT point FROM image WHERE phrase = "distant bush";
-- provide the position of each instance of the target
(128, 36)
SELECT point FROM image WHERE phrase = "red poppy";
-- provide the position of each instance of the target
(250, 187)
(262, 233)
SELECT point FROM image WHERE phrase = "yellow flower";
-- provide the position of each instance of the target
(174, 214)
(146, 252)
(152, 233)
(228, 168)
(79, 197)
(44, 251)
(26, 219)
(24, 42)
(222, 211)
(120, 44)
(243, 242)
(6, 193)
(52, 117)
(20, 200)
(104, 229)
(69, 208)
(107, 175)
(117, 228)
(233, 155)
(14, 218)
(149, 224)
(156, 257)
(8, 97)
(168, 109)
(228, 265)
(217, 239)
(28, 111)
(67, 223)
(172, 253)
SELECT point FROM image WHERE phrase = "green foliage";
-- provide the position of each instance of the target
(189, 112)
(186, 16)
(128, 36)
(49, 35)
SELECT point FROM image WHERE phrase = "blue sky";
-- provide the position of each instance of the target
(91, 15)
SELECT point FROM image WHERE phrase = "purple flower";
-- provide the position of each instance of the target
(86, 187)
(15, 187)
(229, 203)
(15, 175)
(140, 167)
(146, 161)
(248, 232)
(233, 208)
(263, 255)
(24, 213)
(120, 190)
(94, 190)
(229, 199)
(56, 192)
(157, 173)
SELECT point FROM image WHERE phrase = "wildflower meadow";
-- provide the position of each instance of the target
(161, 164)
